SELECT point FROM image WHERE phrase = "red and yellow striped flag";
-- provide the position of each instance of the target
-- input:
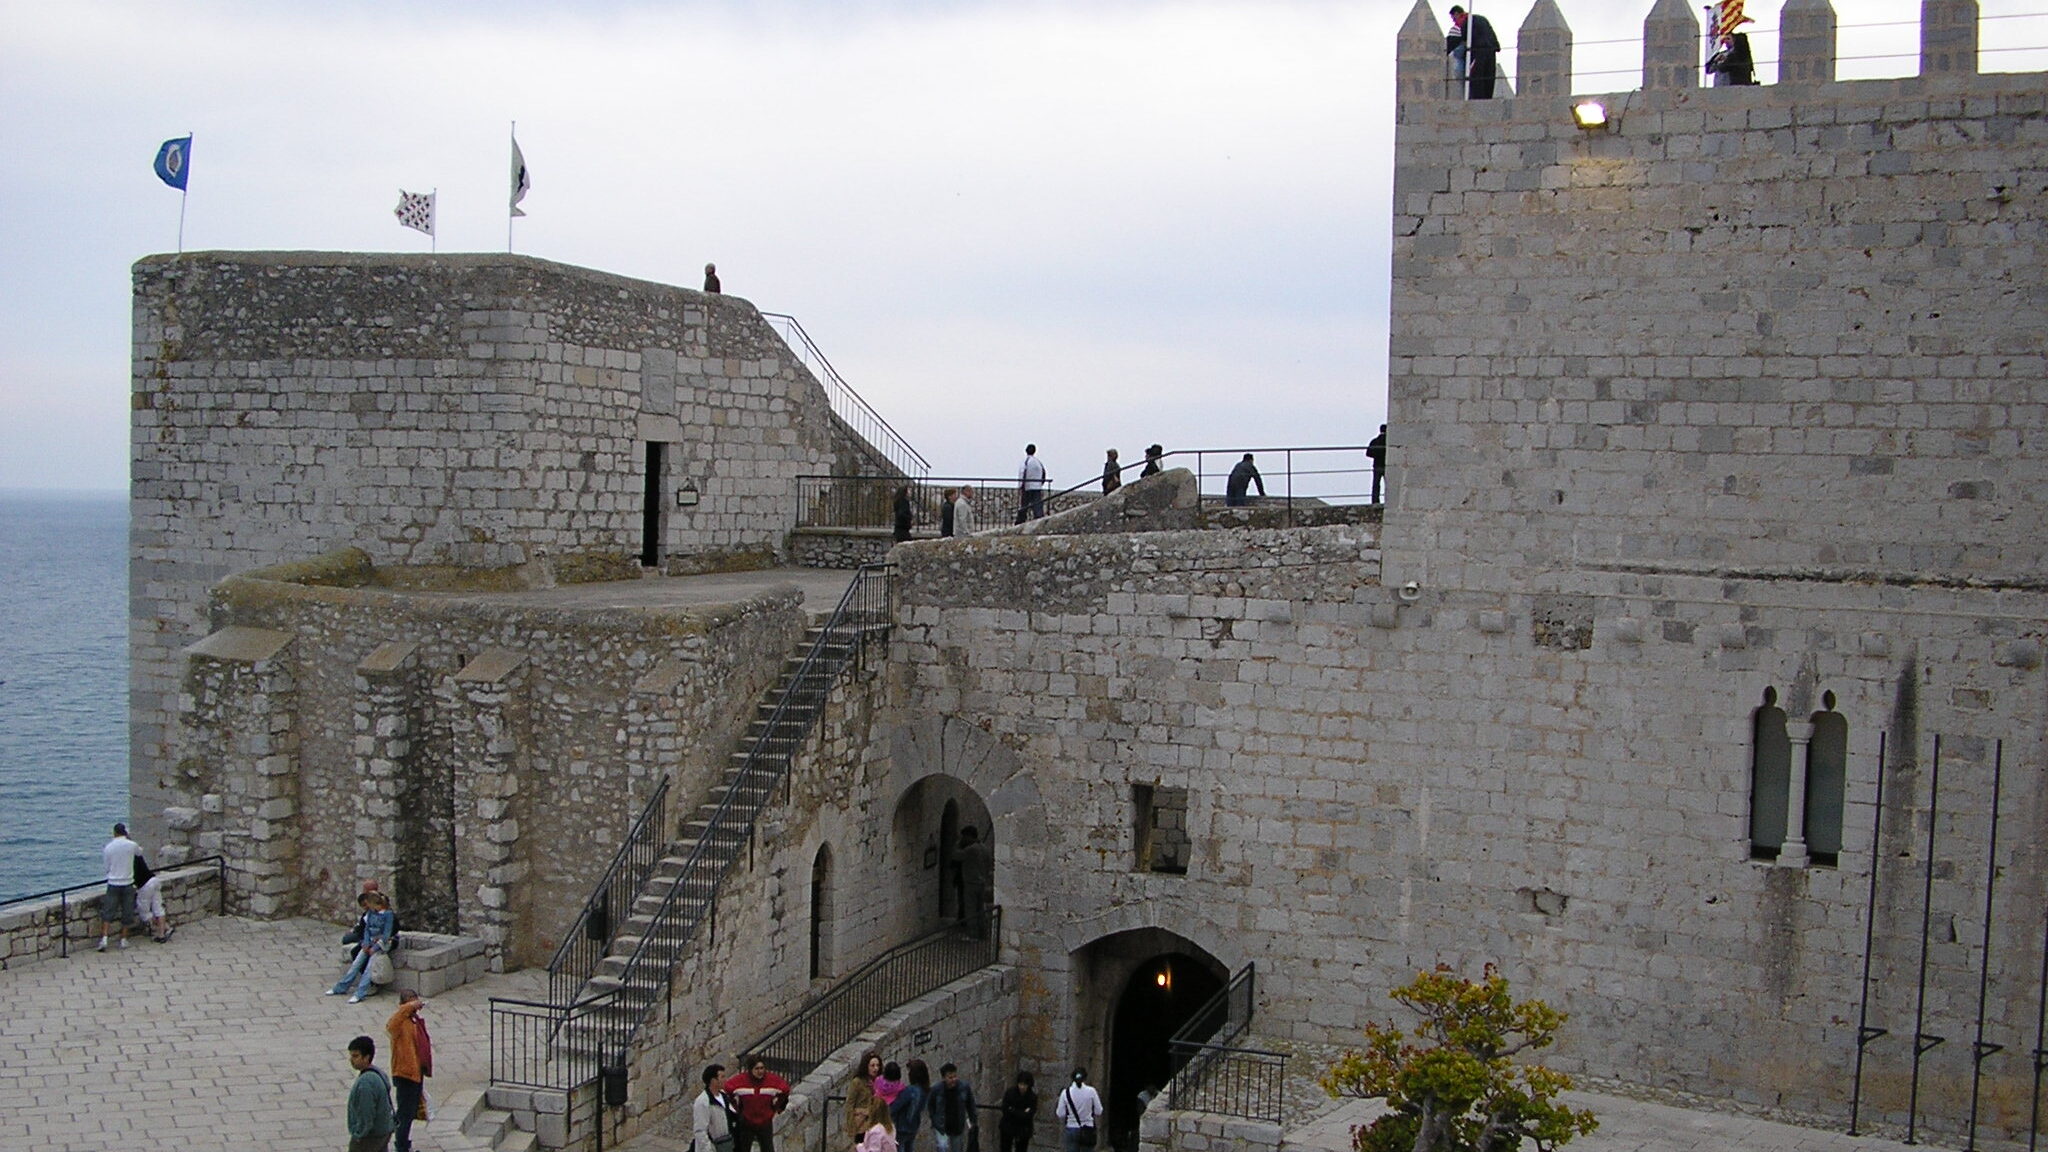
(1727, 17)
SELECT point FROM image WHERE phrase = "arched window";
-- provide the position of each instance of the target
(1770, 779)
(1827, 770)
(821, 913)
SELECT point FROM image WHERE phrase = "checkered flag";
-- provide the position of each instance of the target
(416, 211)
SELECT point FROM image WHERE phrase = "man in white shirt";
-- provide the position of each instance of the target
(1031, 486)
(118, 905)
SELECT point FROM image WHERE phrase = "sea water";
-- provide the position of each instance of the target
(63, 685)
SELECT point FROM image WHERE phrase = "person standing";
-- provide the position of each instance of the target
(946, 504)
(860, 1092)
(902, 513)
(1020, 1113)
(1079, 1108)
(1153, 466)
(964, 519)
(1112, 474)
(1376, 451)
(881, 1128)
(710, 1115)
(907, 1106)
(1482, 52)
(118, 905)
(711, 279)
(951, 1109)
(412, 1061)
(1243, 477)
(758, 1096)
(1031, 486)
(977, 870)
(369, 1100)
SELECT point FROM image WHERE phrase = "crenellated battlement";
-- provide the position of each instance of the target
(1807, 48)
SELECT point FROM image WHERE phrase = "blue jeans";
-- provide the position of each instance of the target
(358, 974)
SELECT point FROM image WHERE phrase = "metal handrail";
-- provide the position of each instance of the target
(1212, 1075)
(832, 501)
(1199, 454)
(529, 1049)
(585, 943)
(220, 867)
(848, 404)
(898, 976)
(852, 620)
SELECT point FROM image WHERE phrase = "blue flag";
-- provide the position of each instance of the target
(174, 162)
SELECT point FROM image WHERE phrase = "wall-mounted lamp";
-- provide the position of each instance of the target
(686, 496)
(1164, 978)
(1590, 115)
(1410, 592)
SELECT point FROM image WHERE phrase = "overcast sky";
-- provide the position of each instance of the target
(1081, 222)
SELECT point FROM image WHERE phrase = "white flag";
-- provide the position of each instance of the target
(415, 211)
(519, 181)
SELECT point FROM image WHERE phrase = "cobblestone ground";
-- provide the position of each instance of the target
(220, 1039)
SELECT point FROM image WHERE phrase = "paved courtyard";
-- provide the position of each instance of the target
(221, 1039)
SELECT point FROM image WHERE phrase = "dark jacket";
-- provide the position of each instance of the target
(952, 1107)
(1020, 1109)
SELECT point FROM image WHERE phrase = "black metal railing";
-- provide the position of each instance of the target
(65, 903)
(589, 938)
(870, 501)
(896, 977)
(535, 1044)
(1295, 477)
(606, 1021)
(846, 403)
(1209, 1074)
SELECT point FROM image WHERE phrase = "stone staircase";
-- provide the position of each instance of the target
(466, 1122)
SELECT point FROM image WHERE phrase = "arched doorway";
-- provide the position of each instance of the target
(1139, 988)
(929, 820)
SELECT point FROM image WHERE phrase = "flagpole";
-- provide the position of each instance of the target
(433, 234)
(184, 194)
(512, 136)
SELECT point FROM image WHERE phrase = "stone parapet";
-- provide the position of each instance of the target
(33, 931)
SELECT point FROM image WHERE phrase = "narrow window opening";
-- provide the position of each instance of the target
(1770, 779)
(1827, 771)
(650, 508)
(1161, 827)
(821, 913)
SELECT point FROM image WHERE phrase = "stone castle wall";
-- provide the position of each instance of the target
(482, 759)
(1787, 319)
(1557, 785)
(490, 412)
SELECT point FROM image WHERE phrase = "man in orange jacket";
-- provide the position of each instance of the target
(412, 1061)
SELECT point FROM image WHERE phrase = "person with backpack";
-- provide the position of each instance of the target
(1079, 1110)
(369, 1100)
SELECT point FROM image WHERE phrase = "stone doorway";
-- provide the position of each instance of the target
(1137, 989)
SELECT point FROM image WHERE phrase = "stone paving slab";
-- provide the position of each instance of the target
(220, 1039)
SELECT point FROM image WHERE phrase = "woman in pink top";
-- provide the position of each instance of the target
(881, 1135)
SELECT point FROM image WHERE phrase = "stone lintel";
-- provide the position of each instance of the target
(491, 666)
(390, 656)
(239, 644)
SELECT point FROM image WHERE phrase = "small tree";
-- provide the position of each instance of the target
(1452, 1084)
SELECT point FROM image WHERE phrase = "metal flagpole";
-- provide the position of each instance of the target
(433, 225)
(184, 193)
(511, 210)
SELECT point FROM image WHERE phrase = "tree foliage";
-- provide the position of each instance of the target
(1451, 1083)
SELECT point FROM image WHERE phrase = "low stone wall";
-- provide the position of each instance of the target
(839, 547)
(1164, 1131)
(49, 929)
(432, 963)
(967, 1022)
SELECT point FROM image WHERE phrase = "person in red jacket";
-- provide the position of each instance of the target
(757, 1095)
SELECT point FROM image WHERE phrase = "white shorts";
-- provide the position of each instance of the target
(149, 901)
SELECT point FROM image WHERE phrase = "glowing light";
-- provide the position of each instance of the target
(1590, 115)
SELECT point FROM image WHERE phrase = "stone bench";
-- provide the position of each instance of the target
(433, 963)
